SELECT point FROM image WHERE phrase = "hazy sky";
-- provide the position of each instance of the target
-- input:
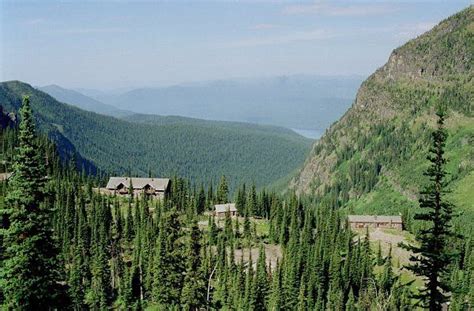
(109, 44)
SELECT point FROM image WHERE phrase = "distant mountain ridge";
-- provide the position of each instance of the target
(373, 159)
(307, 102)
(82, 101)
(198, 149)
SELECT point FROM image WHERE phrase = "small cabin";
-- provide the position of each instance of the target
(375, 221)
(5, 176)
(154, 187)
(220, 210)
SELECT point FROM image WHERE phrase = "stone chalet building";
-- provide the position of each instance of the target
(374, 221)
(221, 209)
(156, 187)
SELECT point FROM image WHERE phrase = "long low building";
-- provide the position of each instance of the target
(158, 187)
(375, 221)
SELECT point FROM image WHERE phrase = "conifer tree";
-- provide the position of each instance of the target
(247, 228)
(365, 264)
(249, 293)
(350, 304)
(169, 267)
(228, 229)
(223, 191)
(275, 301)
(212, 230)
(129, 225)
(240, 200)
(29, 271)
(99, 294)
(237, 228)
(252, 206)
(261, 281)
(201, 201)
(79, 270)
(387, 278)
(193, 294)
(432, 256)
(379, 259)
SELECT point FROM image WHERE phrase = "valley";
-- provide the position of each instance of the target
(198, 149)
(291, 192)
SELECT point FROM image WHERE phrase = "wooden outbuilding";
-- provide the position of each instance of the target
(375, 221)
(5, 176)
(220, 210)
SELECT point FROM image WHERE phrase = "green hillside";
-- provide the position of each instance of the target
(200, 150)
(372, 160)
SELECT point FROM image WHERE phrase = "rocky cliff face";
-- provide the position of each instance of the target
(388, 125)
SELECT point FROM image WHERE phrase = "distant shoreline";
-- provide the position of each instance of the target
(309, 133)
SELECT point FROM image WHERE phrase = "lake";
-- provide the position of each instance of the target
(309, 133)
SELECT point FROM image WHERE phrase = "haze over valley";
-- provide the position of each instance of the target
(308, 104)
(338, 174)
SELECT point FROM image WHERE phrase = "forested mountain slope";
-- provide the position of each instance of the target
(202, 151)
(82, 101)
(168, 120)
(372, 159)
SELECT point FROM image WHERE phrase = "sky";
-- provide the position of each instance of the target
(116, 44)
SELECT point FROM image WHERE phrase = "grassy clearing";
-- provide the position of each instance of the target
(463, 194)
(383, 200)
(261, 226)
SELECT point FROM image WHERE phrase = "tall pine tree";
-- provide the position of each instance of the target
(193, 294)
(29, 271)
(432, 255)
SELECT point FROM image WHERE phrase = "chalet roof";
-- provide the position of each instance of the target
(374, 218)
(160, 184)
(5, 176)
(223, 208)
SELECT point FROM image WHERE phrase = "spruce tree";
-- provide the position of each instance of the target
(80, 268)
(241, 199)
(29, 274)
(387, 278)
(228, 229)
(213, 230)
(193, 294)
(252, 206)
(223, 191)
(168, 261)
(261, 281)
(379, 259)
(432, 255)
(201, 201)
(247, 228)
(99, 294)
(276, 301)
(350, 304)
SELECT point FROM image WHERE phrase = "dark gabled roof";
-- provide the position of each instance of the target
(160, 184)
